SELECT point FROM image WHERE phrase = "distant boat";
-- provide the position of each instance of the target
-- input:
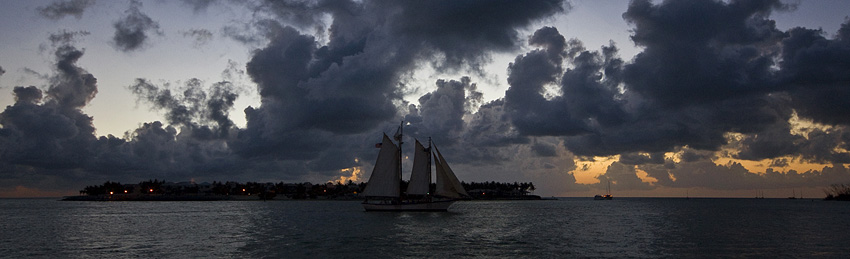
(607, 195)
(383, 191)
(793, 194)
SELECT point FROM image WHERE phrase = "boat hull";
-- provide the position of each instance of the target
(417, 206)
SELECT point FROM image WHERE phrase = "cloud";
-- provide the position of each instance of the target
(446, 26)
(30, 94)
(351, 84)
(55, 134)
(59, 9)
(734, 176)
(200, 36)
(440, 113)
(713, 79)
(543, 150)
(695, 81)
(192, 105)
(490, 127)
(200, 5)
(640, 158)
(47, 141)
(781, 162)
(132, 30)
(585, 99)
(813, 69)
(73, 87)
(65, 37)
(622, 177)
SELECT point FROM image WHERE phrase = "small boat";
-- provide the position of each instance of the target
(383, 191)
(607, 196)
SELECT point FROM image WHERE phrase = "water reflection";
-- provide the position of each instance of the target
(564, 228)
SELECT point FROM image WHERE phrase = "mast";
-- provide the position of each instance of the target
(429, 165)
(399, 139)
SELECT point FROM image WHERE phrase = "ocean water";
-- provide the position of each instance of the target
(568, 227)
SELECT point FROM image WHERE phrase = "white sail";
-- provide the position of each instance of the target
(420, 176)
(386, 178)
(447, 183)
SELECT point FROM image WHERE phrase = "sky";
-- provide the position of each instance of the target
(658, 98)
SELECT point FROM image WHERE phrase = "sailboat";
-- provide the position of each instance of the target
(607, 195)
(383, 191)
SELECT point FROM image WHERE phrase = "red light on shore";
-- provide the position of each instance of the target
(151, 190)
(110, 193)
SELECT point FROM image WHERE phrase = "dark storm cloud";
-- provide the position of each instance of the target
(622, 177)
(586, 96)
(46, 134)
(639, 159)
(59, 9)
(490, 126)
(30, 94)
(133, 29)
(466, 31)
(776, 141)
(351, 84)
(734, 176)
(815, 70)
(440, 113)
(696, 79)
(531, 112)
(690, 155)
(72, 87)
(543, 149)
(158, 149)
(55, 134)
(824, 146)
(323, 97)
(701, 51)
(192, 105)
(708, 68)
(781, 162)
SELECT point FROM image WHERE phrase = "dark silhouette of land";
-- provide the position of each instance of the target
(159, 190)
(838, 192)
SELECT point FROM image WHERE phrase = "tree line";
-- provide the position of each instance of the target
(305, 190)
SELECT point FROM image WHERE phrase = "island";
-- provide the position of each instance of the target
(160, 190)
(838, 192)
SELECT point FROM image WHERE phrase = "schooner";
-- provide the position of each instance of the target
(383, 191)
